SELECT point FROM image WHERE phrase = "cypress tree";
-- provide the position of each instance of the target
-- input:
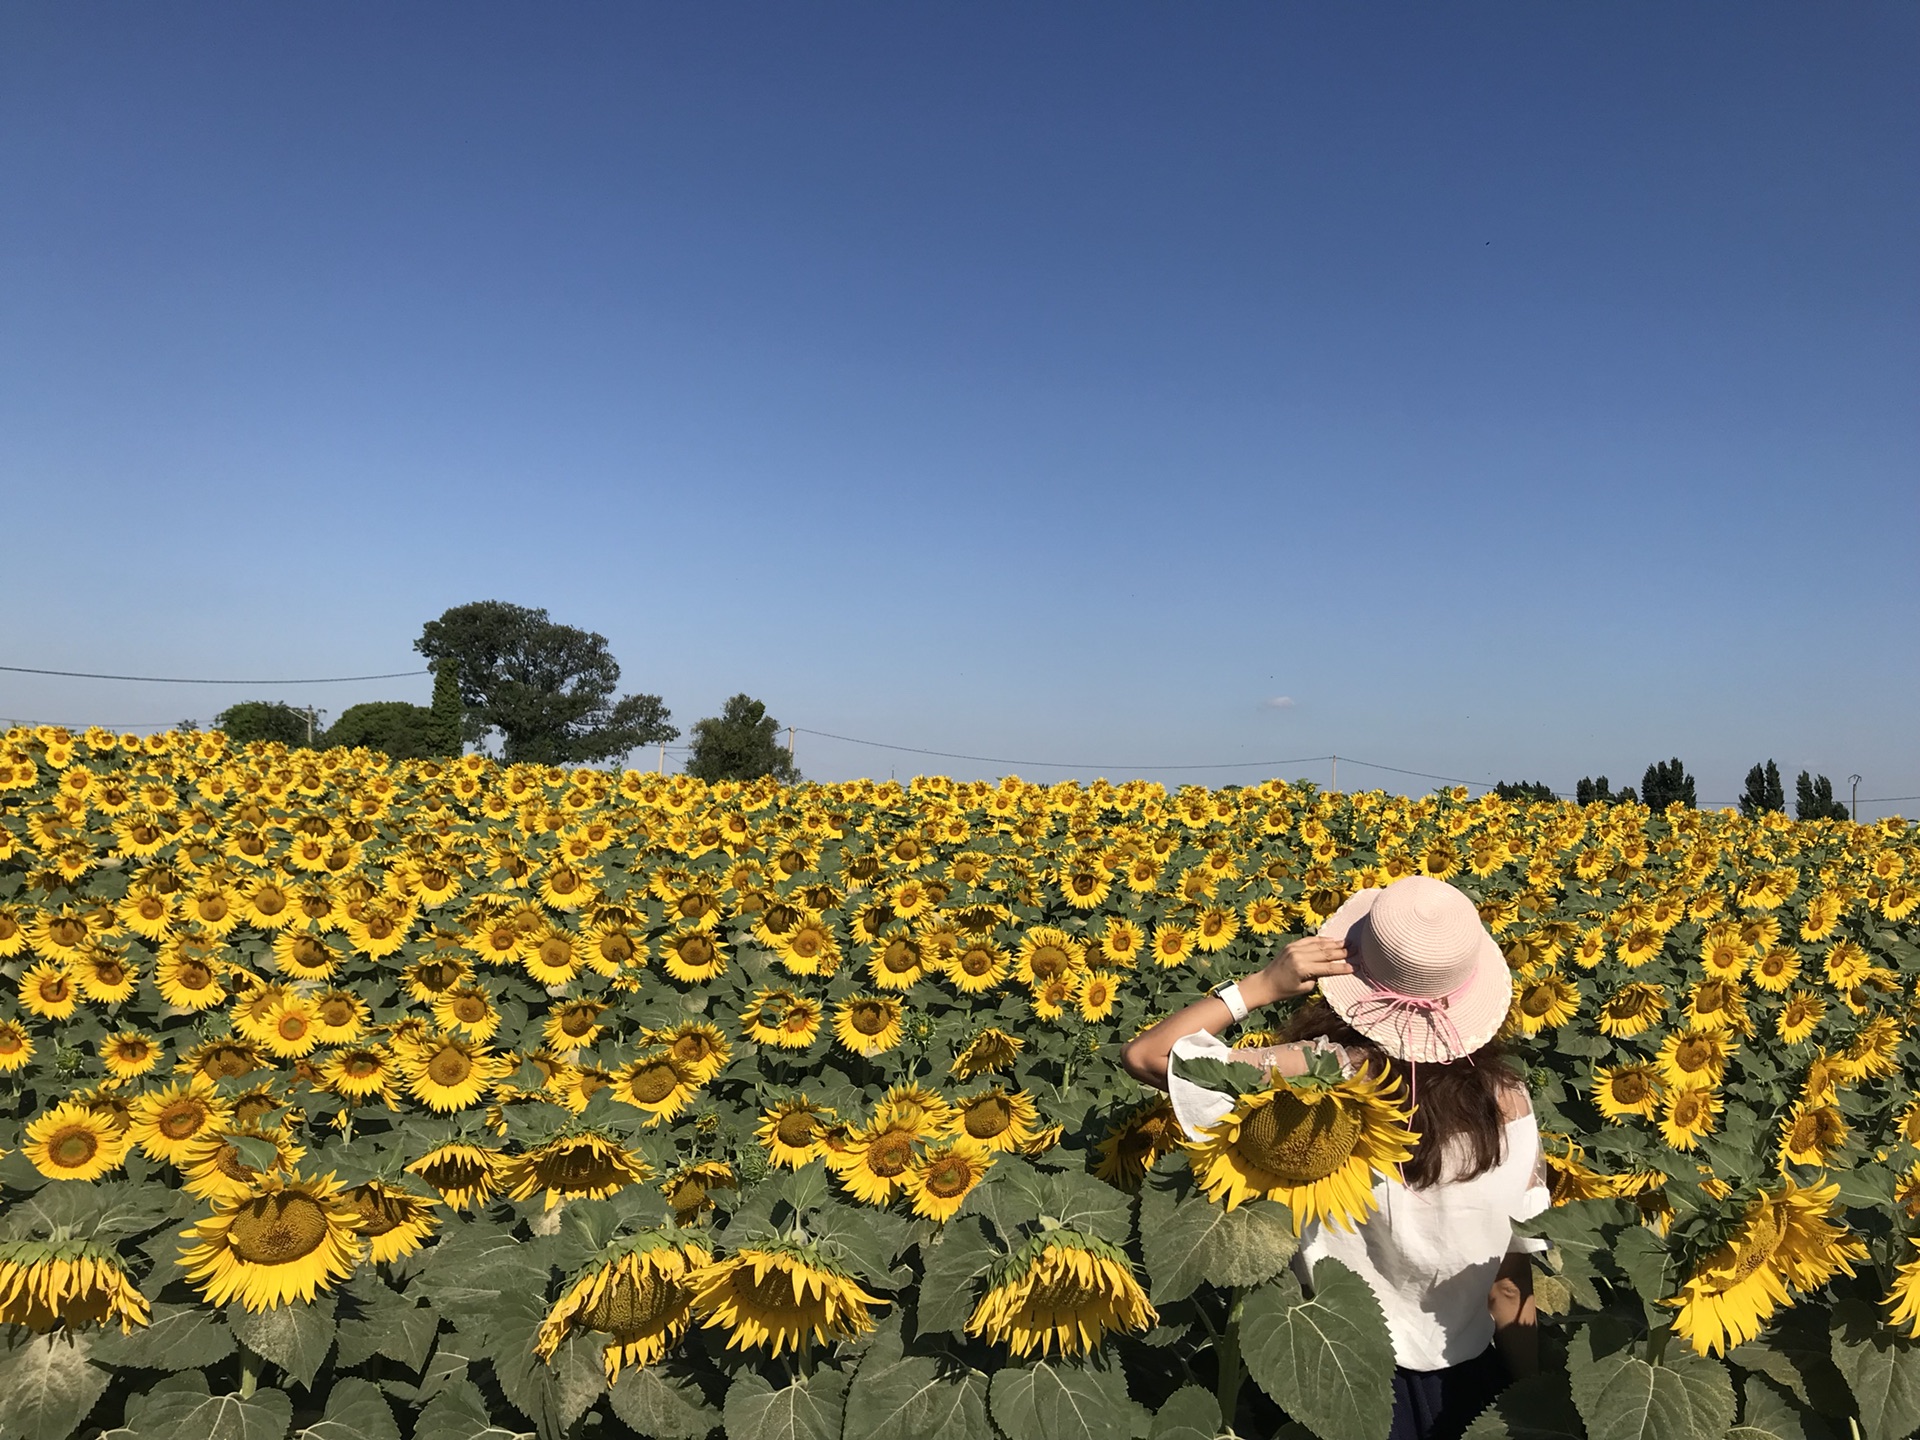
(1764, 792)
(444, 729)
(1813, 799)
(1665, 782)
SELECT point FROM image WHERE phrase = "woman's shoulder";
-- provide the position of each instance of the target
(1515, 1102)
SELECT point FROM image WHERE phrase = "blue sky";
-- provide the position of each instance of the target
(1522, 391)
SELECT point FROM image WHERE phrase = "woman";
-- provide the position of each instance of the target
(1412, 985)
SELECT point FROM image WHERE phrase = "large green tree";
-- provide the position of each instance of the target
(1524, 790)
(1665, 782)
(264, 720)
(547, 689)
(741, 743)
(1813, 799)
(1763, 792)
(401, 730)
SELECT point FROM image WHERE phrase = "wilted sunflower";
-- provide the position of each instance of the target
(71, 1142)
(287, 1240)
(780, 1299)
(942, 1177)
(639, 1295)
(16, 1046)
(1314, 1148)
(467, 1176)
(1623, 1090)
(66, 1282)
(988, 1051)
(1061, 1291)
(868, 1024)
(791, 1131)
(395, 1222)
(587, 1166)
(689, 1189)
(181, 1123)
(1786, 1240)
(657, 1084)
(997, 1118)
(1135, 1144)
(129, 1054)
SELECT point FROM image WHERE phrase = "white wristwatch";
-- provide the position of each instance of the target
(1236, 1002)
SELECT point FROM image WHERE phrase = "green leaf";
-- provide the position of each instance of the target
(181, 1337)
(48, 1384)
(376, 1319)
(1536, 1408)
(1190, 1413)
(1087, 1203)
(295, 1337)
(356, 1410)
(460, 1413)
(1227, 1077)
(954, 1263)
(254, 1152)
(1048, 1401)
(896, 1394)
(1186, 1239)
(657, 1403)
(1328, 1361)
(1771, 1413)
(1622, 1397)
(1882, 1366)
(1866, 1187)
(1642, 1257)
(809, 1408)
(182, 1415)
(862, 1238)
(1797, 1353)
(554, 1395)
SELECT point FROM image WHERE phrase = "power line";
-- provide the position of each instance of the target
(177, 680)
(1056, 764)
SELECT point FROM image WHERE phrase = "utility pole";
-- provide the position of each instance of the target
(1856, 797)
(1334, 784)
(662, 768)
(310, 719)
(789, 744)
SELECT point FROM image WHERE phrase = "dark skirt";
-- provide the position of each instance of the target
(1440, 1404)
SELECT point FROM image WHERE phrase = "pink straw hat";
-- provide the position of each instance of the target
(1429, 983)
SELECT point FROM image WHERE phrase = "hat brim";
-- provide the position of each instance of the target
(1478, 1010)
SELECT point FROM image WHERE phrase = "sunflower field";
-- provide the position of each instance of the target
(349, 1099)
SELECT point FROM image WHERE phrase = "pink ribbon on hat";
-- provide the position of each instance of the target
(1381, 1005)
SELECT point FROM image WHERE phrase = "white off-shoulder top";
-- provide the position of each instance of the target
(1430, 1256)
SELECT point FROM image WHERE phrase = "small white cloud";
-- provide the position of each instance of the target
(1277, 702)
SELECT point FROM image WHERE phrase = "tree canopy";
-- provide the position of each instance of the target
(263, 720)
(1764, 792)
(401, 730)
(1665, 782)
(741, 743)
(1813, 799)
(546, 688)
(1598, 792)
(1524, 790)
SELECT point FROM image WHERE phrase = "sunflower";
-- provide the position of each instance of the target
(1716, 1005)
(427, 980)
(573, 1024)
(225, 1058)
(943, 1176)
(467, 1176)
(1812, 1135)
(449, 1073)
(1785, 1241)
(988, 1051)
(1545, 1003)
(1693, 1057)
(219, 1172)
(552, 957)
(1624, 1090)
(997, 1118)
(104, 976)
(693, 957)
(148, 914)
(1122, 940)
(779, 1298)
(268, 904)
(898, 961)
(1061, 1290)
(189, 976)
(700, 1048)
(181, 1123)
(639, 1295)
(1687, 1113)
(1847, 964)
(1133, 1146)
(808, 949)
(1047, 953)
(1095, 996)
(359, 1073)
(977, 966)
(1903, 1296)
(927, 1111)
(129, 1054)
(71, 1142)
(1639, 945)
(1313, 1148)
(301, 956)
(66, 1282)
(657, 1084)
(1172, 944)
(467, 1009)
(48, 991)
(791, 1131)
(1723, 951)
(16, 1046)
(394, 1222)
(1800, 1017)
(287, 1240)
(1631, 1009)
(339, 1017)
(874, 1165)
(1050, 1000)
(868, 1024)
(288, 1031)
(689, 1189)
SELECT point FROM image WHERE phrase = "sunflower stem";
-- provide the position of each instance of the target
(1232, 1373)
(249, 1373)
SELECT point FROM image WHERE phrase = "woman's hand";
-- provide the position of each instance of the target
(1295, 970)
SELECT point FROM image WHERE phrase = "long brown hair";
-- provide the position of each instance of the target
(1458, 1099)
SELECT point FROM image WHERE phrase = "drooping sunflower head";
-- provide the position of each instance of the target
(1061, 1291)
(44, 1284)
(467, 1176)
(689, 1189)
(639, 1295)
(988, 1051)
(585, 1166)
(780, 1298)
(395, 1222)
(1133, 1146)
(1315, 1149)
(287, 1240)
